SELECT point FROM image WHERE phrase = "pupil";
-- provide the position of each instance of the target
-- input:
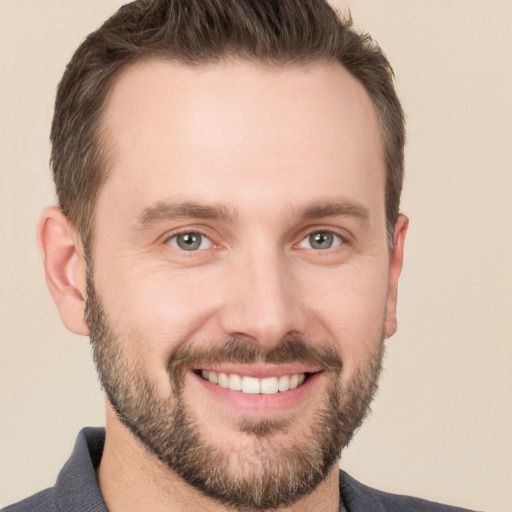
(322, 240)
(189, 241)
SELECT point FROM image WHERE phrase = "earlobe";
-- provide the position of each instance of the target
(395, 269)
(64, 265)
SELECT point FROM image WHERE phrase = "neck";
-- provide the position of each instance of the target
(132, 479)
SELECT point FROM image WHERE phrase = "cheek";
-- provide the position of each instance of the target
(163, 310)
(152, 313)
(351, 306)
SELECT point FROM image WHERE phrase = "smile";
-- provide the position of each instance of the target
(253, 385)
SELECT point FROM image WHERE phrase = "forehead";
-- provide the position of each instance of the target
(235, 130)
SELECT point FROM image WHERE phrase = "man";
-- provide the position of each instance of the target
(228, 234)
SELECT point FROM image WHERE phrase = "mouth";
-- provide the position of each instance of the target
(256, 389)
(252, 385)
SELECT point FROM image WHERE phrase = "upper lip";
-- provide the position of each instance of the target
(260, 371)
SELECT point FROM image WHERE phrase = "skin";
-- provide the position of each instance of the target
(264, 145)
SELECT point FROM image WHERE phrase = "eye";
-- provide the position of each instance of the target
(321, 240)
(190, 241)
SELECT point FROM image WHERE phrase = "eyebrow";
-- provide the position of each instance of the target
(167, 210)
(336, 208)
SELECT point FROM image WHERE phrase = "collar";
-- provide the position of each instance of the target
(77, 487)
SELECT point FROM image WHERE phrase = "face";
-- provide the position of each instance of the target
(241, 271)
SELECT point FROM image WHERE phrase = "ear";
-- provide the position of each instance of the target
(395, 268)
(64, 265)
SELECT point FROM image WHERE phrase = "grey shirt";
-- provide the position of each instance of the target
(77, 490)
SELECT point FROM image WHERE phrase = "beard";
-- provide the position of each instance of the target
(261, 473)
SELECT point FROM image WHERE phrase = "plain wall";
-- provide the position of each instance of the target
(441, 426)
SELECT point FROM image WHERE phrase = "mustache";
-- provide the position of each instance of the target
(239, 351)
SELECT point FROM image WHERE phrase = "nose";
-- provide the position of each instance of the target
(261, 304)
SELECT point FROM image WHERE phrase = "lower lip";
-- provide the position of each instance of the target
(259, 403)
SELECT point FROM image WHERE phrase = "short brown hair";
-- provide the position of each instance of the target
(278, 32)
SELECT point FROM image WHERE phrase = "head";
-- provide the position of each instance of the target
(229, 176)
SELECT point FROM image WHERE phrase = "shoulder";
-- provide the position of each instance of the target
(76, 488)
(43, 501)
(361, 498)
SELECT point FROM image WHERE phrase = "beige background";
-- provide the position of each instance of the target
(442, 423)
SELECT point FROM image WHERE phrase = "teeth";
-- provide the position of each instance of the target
(269, 386)
(235, 382)
(223, 380)
(252, 385)
(284, 383)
